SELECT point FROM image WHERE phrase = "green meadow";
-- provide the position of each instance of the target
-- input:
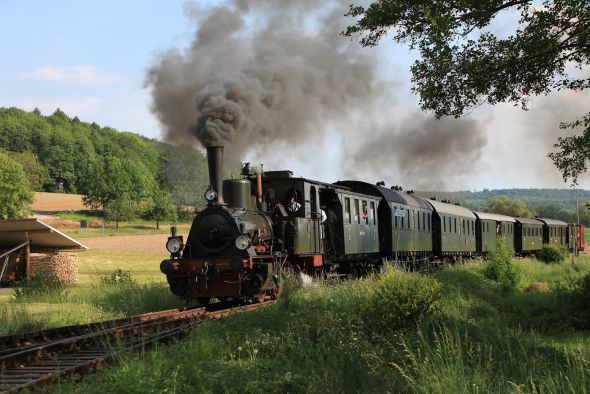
(452, 331)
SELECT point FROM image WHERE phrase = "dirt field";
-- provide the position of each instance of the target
(129, 243)
(48, 202)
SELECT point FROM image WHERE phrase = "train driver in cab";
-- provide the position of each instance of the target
(293, 206)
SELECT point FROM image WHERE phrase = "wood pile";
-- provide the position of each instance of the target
(63, 265)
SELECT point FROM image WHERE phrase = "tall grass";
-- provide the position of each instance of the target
(398, 332)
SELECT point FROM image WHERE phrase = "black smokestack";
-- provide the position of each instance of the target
(215, 161)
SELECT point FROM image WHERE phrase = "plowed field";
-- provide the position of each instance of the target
(48, 202)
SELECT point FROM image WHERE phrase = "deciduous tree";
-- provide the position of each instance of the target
(505, 206)
(15, 195)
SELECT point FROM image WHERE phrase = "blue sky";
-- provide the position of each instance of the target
(90, 60)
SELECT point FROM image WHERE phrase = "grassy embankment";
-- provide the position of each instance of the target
(453, 332)
(92, 299)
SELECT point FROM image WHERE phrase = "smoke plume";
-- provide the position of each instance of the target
(428, 154)
(263, 74)
(239, 85)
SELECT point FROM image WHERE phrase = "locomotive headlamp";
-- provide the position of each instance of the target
(210, 194)
(174, 244)
(242, 242)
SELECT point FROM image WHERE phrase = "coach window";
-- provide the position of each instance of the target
(372, 212)
(463, 223)
(395, 216)
(455, 225)
(409, 213)
(357, 218)
(473, 227)
(347, 210)
(401, 218)
(428, 218)
(444, 224)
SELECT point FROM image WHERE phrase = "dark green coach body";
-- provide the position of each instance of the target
(490, 227)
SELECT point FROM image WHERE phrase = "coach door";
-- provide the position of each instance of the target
(313, 223)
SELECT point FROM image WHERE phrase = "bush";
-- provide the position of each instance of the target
(42, 284)
(396, 300)
(500, 266)
(118, 278)
(579, 302)
(552, 254)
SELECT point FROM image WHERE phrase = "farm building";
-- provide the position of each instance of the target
(29, 247)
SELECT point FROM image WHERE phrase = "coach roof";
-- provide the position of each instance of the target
(494, 216)
(552, 222)
(390, 195)
(451, 209)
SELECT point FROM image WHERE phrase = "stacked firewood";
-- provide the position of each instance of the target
(63, 265)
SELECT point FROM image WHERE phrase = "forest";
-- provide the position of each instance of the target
(121, 172)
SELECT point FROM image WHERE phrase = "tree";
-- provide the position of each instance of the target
(505, 206)
(464, 64)
(161, 208)
(15, 195)
(36, 174)
(120, 209)
(112, 178)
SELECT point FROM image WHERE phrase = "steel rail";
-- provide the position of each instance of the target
(56, 353)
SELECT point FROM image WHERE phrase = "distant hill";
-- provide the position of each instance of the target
(565, 198)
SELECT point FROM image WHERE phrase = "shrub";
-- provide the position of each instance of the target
(396, 299)
(118, 278)
(42, 284)
(579, 302)
(552, 254)
(500, 266)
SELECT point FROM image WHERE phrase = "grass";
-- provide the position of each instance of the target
(91, 300)
(454, 332)
(451, 332)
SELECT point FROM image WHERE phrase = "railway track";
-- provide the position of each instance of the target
(39, 357)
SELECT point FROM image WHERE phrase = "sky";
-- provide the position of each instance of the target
(91, 60)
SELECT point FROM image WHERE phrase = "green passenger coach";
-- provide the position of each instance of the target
(453, 229)
(490, 227)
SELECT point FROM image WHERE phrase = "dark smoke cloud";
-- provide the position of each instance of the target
(262, 74)
(428, 154)
(236, 86)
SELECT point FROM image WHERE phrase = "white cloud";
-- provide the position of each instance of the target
(71, 74)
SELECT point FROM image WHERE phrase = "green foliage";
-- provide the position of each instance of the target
(578, 302)
(120, 209)
(396, 300)
(316, 340)
(118, 277)
(36, 174)
(464, 64)
(552, 254)
(161, 207)
(500, 266)
(573, 152)
(505, 206)
(42, 284)
(15, 195)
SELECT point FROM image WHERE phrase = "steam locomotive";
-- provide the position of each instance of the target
(257, 227)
